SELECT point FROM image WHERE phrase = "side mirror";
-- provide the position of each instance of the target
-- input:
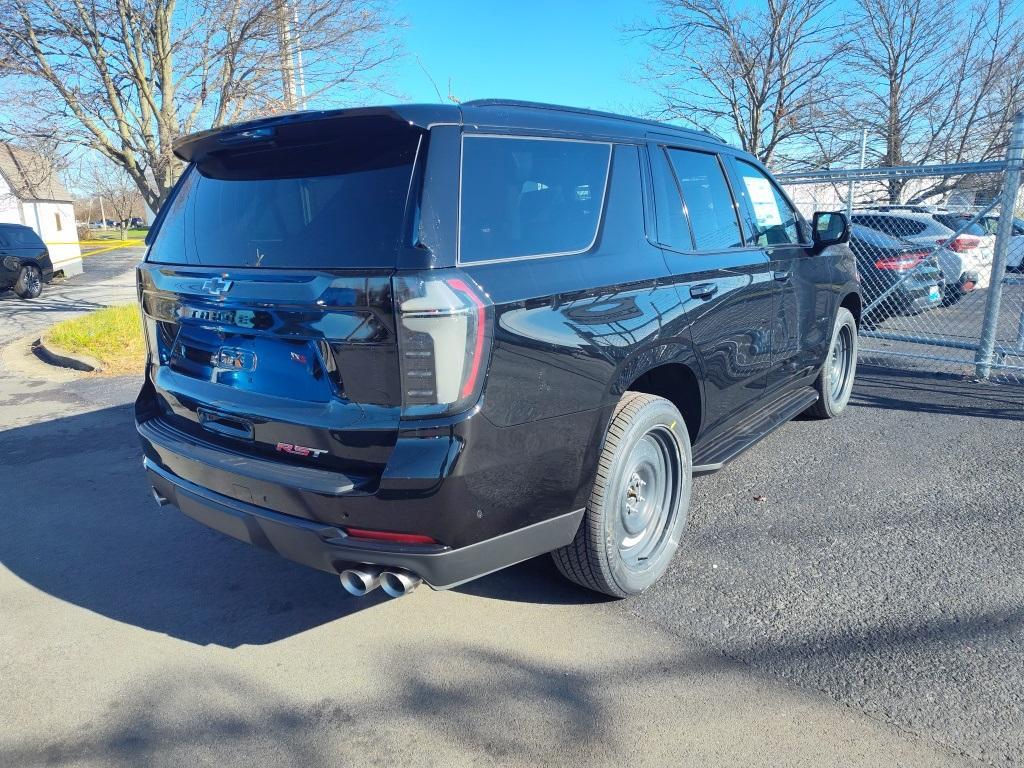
(829, 228)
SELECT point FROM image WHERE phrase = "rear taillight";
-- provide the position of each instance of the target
(901, 261)
(444, 339)
(961, 243)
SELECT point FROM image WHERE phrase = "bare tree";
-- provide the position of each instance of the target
(761, 71)
(127, 77)
(929, 93)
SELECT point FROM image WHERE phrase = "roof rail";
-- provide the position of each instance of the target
(584, 111)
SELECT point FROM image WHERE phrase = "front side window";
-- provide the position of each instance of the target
(708, 200)
(775, 221)
(526, 197)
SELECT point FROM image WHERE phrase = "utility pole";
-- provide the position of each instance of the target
(863, 159)
(286, 53)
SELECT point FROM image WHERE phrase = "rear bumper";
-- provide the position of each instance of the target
(327, 547)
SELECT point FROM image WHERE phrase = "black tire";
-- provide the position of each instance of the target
(643, 428)
(835, 381)
(30, 282)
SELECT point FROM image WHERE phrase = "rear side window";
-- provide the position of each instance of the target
(673, 229)
(525, 197)
(708, 200)
(22, 237)
(331, 204)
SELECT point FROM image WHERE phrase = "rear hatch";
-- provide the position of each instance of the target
(267, 294)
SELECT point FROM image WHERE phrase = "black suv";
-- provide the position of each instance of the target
(427, 342)
(24, 261)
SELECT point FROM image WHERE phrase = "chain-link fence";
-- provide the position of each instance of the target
(942, 270)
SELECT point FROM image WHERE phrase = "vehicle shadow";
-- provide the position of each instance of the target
(77, 522)
(890, 389)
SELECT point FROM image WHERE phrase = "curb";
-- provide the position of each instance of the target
(54, 355)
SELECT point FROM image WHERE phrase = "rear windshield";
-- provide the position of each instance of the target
(333, 204)
(954, 222)
(875, 238)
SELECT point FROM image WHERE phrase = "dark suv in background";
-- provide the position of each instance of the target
(427, 342)
(24, 261)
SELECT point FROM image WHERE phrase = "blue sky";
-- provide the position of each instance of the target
(561, 51)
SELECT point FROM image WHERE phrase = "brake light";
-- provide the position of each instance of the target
(900, 262)
(395, 538)
(444, 333)
(961, 243)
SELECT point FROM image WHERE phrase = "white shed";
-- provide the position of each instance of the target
(31, 194)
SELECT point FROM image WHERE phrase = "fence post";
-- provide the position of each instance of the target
(983, 359)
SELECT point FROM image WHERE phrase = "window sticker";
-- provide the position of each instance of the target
(762, 198)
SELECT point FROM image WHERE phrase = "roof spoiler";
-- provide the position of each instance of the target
(299, 126)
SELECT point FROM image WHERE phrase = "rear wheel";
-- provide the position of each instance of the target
(30, 282)
(835, 382)
(639, 504)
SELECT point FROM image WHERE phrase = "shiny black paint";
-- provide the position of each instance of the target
(571, 334)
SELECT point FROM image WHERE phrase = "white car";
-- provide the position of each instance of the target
(966, 262)
(1015, 256)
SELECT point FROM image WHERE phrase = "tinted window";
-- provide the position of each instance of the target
(707, 198)
(893, 225)
(955, 222)
(530, 197)
(875, 239)
(332, 204)
(21, 237)
(775, 221)
(673, 230)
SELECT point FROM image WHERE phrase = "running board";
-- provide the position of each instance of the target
(720, 450)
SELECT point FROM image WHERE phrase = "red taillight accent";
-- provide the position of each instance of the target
(469, 385)
(397, 538)
(901, 261)
(961, 243)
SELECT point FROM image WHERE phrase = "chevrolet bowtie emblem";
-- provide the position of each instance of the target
(216, 286)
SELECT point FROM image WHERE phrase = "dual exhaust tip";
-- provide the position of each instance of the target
(362, 580)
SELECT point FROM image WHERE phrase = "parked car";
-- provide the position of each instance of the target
(24, 261)
(427, 342)
(1015, 253)
(961, 261)
(906, 273)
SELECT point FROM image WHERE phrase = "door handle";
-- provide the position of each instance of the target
(703, 291)
(782, 275)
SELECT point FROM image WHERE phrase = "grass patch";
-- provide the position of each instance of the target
(115, 234)
(113, 335)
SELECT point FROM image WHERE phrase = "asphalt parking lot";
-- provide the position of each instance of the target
(849, 593)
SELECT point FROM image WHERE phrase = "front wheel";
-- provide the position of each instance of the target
(30, 282)
(835, 382)
(638, 507)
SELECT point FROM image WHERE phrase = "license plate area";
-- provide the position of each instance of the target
(289, 368)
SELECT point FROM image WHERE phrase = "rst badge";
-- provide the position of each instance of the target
(300, 450)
